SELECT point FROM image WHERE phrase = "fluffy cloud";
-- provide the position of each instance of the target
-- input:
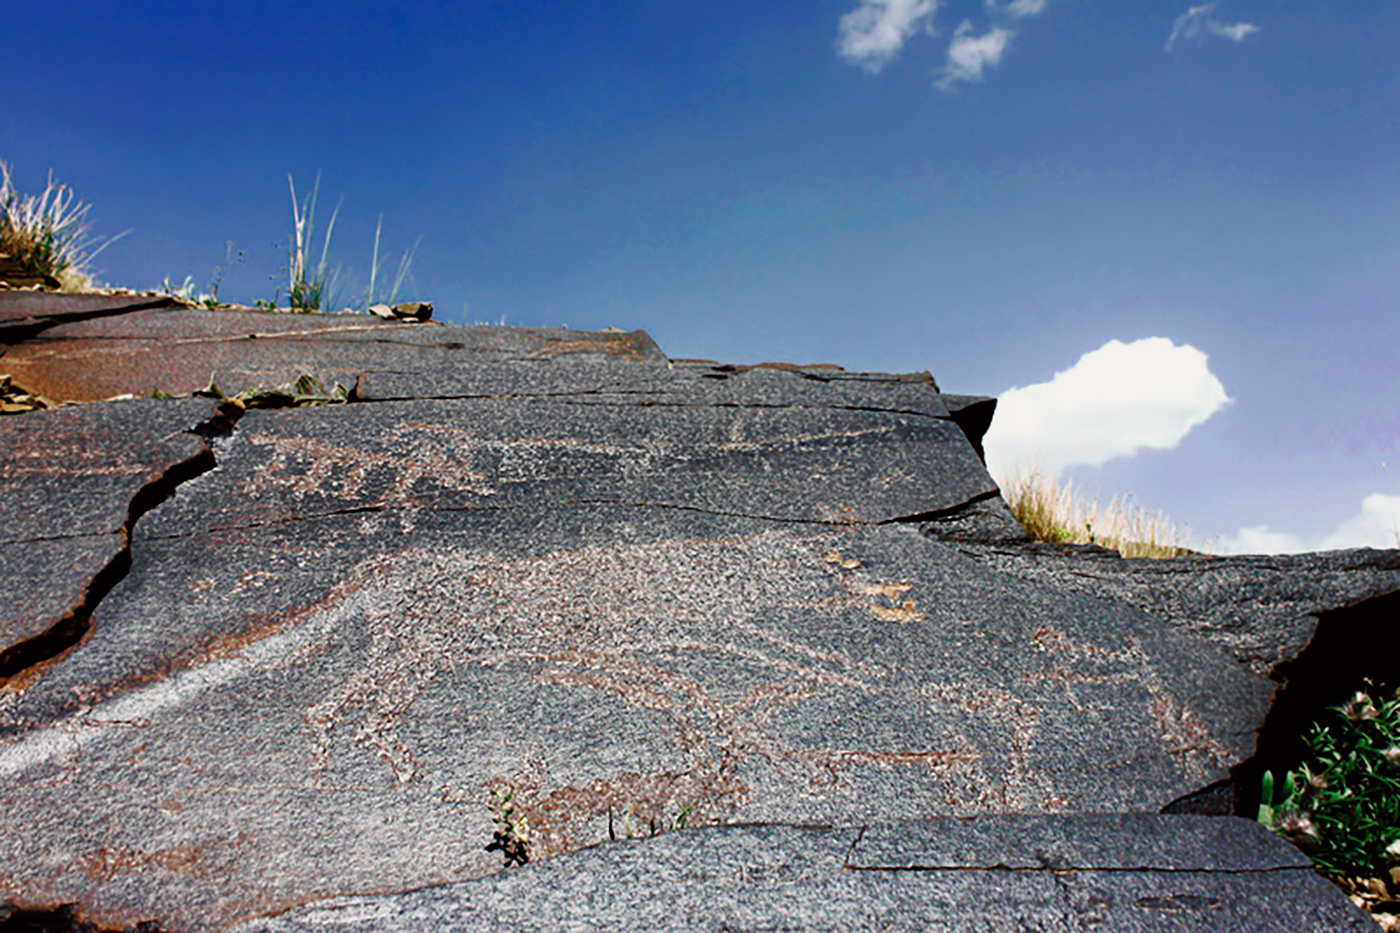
(1117, 400)
(1017, 9)
(873, 33)
(969, 55)
(1376, 525)
(1197, 22)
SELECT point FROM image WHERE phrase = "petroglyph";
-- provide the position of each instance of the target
(1185, 737)
(617, 621)
(309, 466)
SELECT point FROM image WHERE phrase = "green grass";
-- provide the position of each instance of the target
(1050, 511)
(1342, 805)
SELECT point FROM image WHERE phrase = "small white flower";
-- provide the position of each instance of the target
(1359, 708)
(1317, 782)
(1299, 828)
(1392, 851)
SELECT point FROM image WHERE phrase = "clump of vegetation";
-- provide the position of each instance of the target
(313, 286)
(685, 816)
(48, 236)
(512, 836)
(308, 285)
(1342, 805)
(210, 299)
(1052, 512)
(305, 391)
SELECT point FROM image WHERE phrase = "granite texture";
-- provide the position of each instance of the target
(281, 664)
(1135, 872)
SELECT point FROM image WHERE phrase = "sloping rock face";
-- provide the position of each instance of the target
(533, 591)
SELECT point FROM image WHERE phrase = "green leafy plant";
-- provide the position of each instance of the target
(512, 836)
(49, 234)
(305, 391)
(1342, 805)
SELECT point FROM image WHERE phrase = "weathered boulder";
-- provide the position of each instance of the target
(531, 591)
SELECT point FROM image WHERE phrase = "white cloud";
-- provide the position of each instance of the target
(1377, 525)
(1117, 400)
(1197, 22)
(873, 33)
(969, 55)
(1260, 540)
(1017, 9)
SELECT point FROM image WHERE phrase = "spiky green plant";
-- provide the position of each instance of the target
(404, 263)
(512, 835)
(1342, 805)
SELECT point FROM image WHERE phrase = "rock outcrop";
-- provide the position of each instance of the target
(543, 627)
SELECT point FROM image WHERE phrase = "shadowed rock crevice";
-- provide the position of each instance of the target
(1325, 674)
(69, 630)
(62, 919)
(973, 414)
(1345, 655)
(45, 311)
(949, 516)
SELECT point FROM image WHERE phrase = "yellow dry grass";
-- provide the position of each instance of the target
(1050, 511)
(48, 234)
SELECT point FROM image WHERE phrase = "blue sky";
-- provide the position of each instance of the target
(989, 191)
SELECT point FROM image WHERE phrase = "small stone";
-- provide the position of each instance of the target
(383, 311)
(414, 311)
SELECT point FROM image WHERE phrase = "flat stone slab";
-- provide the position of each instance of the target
(69, 479)
(24, 314)
(402, 457)
(631, 594)
(1111, 872)
(1260, 608)
(675, 384)
(177, 350)
(285, 700)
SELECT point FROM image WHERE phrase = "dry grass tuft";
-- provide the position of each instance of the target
(48, 234)
(1051, 512)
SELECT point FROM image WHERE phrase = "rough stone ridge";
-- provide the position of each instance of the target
(545, 628)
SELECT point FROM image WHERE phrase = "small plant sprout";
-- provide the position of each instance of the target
(685, 816)
(512, 836)
(211, 300)
(48, 234)
(1342, 805)
(308, 286)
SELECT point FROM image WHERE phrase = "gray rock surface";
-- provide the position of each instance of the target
(1260, 609)
(25, 314)
(629, 593)
(1121, 872)
(72, 483)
